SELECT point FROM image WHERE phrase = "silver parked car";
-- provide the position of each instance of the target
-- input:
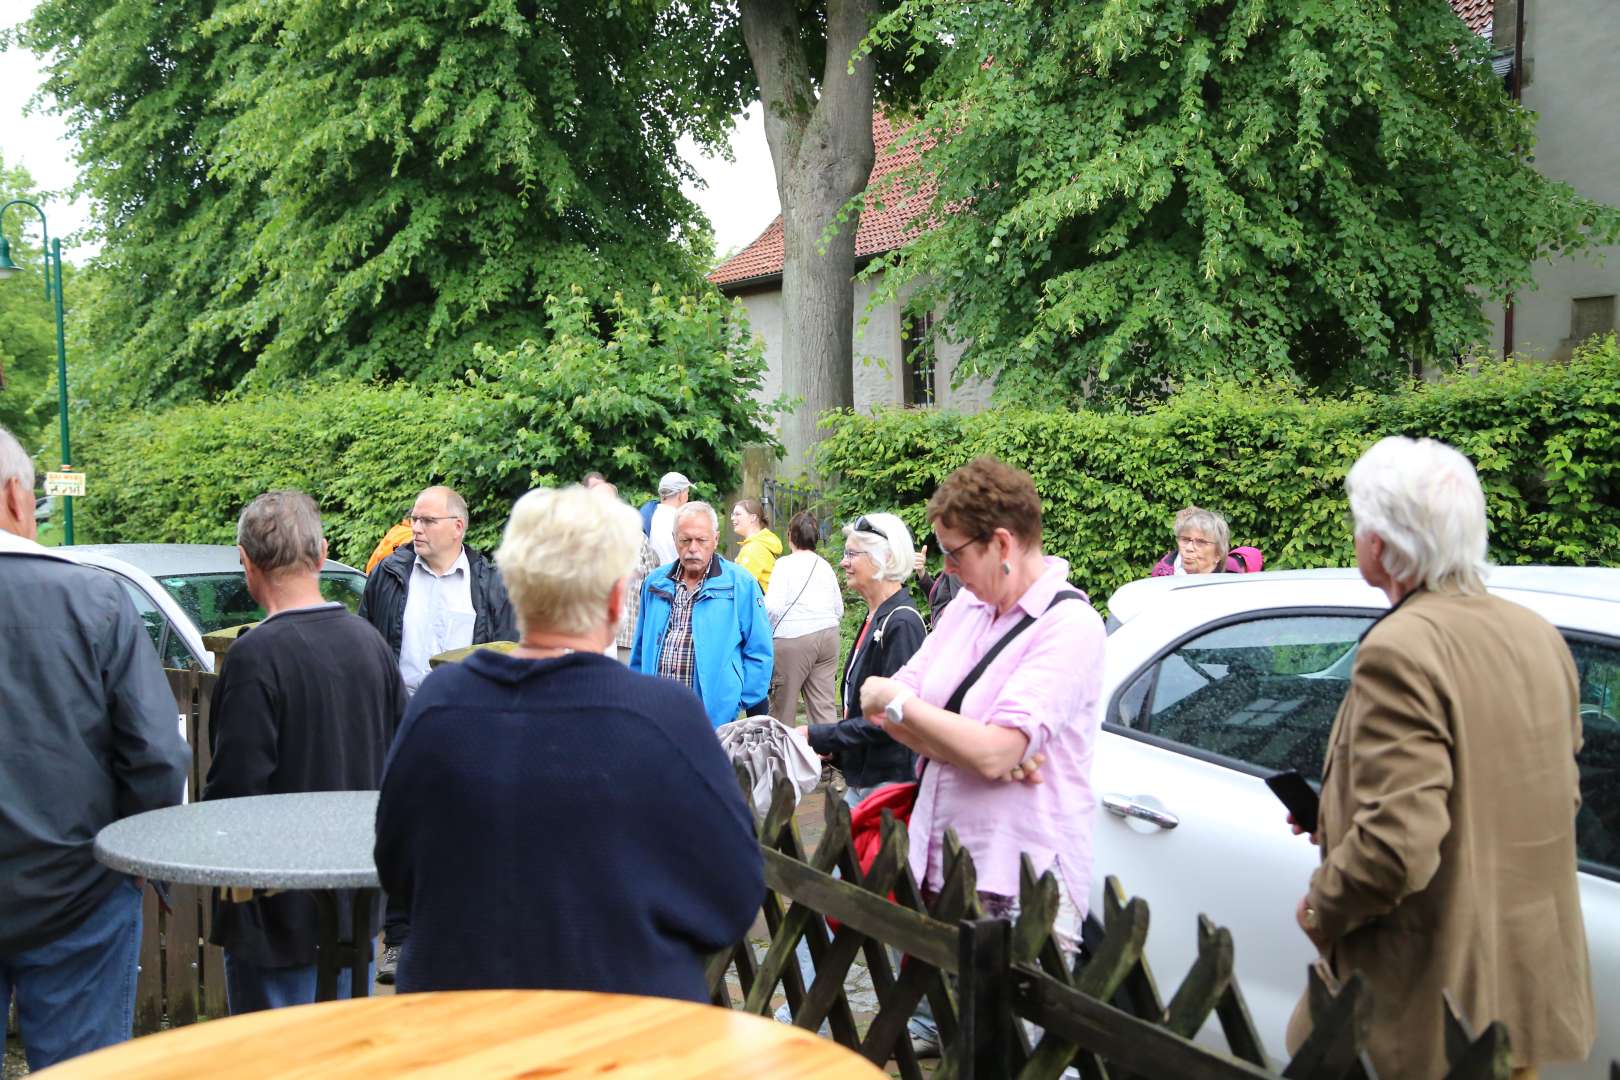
(184, 591)
(1214, 682)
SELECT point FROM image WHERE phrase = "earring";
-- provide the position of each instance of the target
(1006, 568)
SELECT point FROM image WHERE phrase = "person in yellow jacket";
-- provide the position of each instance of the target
(760, 547)
(394, 537)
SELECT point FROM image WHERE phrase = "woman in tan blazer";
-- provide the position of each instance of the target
(1450, 789)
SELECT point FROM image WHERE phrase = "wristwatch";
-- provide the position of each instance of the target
(895, 710)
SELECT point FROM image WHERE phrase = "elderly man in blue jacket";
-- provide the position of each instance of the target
(703, 621)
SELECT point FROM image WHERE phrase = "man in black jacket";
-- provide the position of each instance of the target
(432, 595)
(435, 593)
(308, 700)
(87, 736)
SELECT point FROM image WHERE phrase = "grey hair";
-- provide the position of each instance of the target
(697, 508)
(1209, 523)
(1422, 498)
(281, 530)
(893, 552)
(15, 462)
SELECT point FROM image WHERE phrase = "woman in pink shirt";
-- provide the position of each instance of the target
(1009, 762)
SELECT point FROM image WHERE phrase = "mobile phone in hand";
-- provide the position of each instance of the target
(1298, 796)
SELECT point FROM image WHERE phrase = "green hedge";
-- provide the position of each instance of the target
(1545, 438)
(673, 387)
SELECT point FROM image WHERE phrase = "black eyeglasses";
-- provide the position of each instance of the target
(955, 554)
(864, 524)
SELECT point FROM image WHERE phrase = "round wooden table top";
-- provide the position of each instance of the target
(483, 1033)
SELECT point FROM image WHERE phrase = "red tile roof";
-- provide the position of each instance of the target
(881, 228)
(1476, 13)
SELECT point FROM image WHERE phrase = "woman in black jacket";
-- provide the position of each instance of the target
(878, 558)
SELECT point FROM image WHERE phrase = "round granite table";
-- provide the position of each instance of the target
(483, 1033)
(321, 841)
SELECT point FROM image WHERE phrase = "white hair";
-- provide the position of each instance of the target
(1211, 524)
(893, 551)
(1423, 500)
(696, 508)
(562, 553)
(15, 462)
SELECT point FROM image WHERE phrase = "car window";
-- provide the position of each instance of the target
(1262, 692)
(170, 646)
(216, 601)
(1597, 826)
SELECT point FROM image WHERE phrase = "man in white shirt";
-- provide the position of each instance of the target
(673, 491)
(432, 595)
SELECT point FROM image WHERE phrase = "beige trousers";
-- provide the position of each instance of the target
(805, 665)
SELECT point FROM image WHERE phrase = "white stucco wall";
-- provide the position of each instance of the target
(1572, 81)
(877, 365)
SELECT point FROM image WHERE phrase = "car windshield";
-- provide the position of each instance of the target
(215, 601)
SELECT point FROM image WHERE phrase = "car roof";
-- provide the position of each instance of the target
(1597, 583)
(163, 560)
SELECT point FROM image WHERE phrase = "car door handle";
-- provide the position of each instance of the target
(1127, 806)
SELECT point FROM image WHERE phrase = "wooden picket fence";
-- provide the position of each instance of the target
(993, 983)
(990, 982)
(182, 978)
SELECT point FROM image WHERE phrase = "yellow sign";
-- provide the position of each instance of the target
(64, 483)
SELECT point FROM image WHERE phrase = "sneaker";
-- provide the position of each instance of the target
(386, 965)
(924, 1046)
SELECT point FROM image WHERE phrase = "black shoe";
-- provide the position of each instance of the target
(386, 965)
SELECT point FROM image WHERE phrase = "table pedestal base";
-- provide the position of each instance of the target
(332, 955)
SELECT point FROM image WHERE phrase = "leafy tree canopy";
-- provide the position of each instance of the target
(27, 322)
(1137, 192)
(370, 188)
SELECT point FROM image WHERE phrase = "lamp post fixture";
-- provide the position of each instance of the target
(53, 258)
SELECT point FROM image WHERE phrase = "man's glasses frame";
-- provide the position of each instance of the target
(428, 520)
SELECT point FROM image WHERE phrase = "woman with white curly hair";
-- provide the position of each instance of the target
(511, 773)
(877, 560)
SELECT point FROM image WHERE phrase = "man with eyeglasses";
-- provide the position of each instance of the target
(703, 621)
(432, 595)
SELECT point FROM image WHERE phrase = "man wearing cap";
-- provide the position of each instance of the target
(673, 491)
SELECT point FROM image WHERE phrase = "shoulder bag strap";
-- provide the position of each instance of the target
(955, 703)
(787, 610)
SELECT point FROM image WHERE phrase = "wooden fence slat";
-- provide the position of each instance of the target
(1139, 982)
(183, 962)
(1339, 1018)
(149, 980)
(919, 976)
(213, 966)
(1130, 1042)
(1205, 983)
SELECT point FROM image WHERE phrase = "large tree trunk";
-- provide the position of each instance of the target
(821, 150)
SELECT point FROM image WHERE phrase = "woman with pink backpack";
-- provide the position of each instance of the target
(1204, 546)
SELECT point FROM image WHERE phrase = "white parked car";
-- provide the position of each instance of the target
(1214, 682)
(183, 591)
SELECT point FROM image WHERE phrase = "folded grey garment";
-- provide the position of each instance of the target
(767, 749)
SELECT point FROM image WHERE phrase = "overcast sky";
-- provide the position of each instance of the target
(740, 198)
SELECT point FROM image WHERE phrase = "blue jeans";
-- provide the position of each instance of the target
(250, 987)
(77, 993)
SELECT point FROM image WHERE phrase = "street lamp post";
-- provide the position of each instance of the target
(53, 258)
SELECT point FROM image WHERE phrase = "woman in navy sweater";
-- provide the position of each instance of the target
(551, 818)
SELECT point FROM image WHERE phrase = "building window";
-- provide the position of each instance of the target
(918, 360)
(1589, 317)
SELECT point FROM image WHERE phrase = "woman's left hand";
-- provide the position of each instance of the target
(1028, 771)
